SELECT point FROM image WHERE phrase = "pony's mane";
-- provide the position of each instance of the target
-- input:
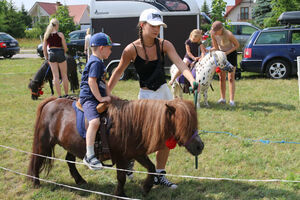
(152, 121)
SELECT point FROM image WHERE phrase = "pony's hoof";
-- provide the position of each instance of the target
(81, 182)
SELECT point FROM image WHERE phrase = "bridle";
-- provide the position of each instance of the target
(191, 138)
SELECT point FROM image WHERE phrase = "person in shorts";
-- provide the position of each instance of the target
(93, 91)
(56, 43)
(224, 40)
(147, 53)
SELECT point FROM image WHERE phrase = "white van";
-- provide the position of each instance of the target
(119, 19)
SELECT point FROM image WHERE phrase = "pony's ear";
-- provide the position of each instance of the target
(170, 109)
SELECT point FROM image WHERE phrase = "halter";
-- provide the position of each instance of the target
(40, 88)
(192, 137)
(215, 60)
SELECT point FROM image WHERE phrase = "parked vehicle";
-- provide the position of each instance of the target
(9, 46)
(273, 51)
(76, 44)
(119, 19)
(242, 32)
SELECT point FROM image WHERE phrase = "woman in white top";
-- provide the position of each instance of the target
(87, 48)
(225, 41)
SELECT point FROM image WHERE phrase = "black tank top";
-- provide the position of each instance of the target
(151, 74)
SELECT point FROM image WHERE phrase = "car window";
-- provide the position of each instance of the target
(274, 37)
(74, 36)
(4, 37)
(82, 35)
(296, 37)
(233, 29)
(247, 30)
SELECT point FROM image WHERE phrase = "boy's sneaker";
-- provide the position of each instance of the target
(92, 162)
(221, 101)
(130, 167)
(162, 180)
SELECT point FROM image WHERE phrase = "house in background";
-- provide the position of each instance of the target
(41, 12)
(241, 11)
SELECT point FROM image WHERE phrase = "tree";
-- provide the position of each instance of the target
(205, 8)
(278, 7)
(66, 23)
(26, 17)
(13, 23)
(261, 11)
(218, 10)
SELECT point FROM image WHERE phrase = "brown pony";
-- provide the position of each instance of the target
(139, 127)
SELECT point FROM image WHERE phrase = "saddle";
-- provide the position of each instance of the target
(101, 142)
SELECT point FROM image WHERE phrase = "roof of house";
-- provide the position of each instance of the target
(231, 8)
(75, 11)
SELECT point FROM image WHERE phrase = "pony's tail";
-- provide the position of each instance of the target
(72, 73)
(41, 146)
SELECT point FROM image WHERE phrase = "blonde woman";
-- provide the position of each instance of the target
(57, 45)
(87, 47)
(225, 41)
(191, 46)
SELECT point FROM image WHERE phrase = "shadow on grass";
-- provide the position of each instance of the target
(190, 190)
(257, 106)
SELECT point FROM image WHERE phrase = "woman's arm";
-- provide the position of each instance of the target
(214, 43)
(174, 57)
(126, 58)
(64, 43)
(234, 41)
(45, 49)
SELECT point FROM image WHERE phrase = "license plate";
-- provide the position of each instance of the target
(13, 44)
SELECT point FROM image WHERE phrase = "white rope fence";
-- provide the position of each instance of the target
(172, 175)
(67, 186)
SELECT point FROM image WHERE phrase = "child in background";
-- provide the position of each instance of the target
(93, 91)
(192, 45)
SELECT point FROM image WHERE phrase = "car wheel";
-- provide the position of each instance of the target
(8, 56)
(112, 68)
(278, 69)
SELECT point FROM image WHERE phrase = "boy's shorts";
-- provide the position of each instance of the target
(90, 111)
(57, 55)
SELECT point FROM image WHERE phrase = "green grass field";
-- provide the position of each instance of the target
(266, 109)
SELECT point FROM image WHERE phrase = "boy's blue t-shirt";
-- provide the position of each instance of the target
(94, 68)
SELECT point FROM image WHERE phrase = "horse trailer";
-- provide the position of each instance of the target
(119, 19)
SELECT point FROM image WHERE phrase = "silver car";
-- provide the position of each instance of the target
(242, 32)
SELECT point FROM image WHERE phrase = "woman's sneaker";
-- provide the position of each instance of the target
(92, 162)
(162, 180)
(221, 101)
(231, 103)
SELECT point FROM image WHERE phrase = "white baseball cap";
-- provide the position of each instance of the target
(153, 17)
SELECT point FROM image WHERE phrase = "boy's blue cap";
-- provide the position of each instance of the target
(101, 39)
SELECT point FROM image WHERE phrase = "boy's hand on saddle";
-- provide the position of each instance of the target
(105, 99)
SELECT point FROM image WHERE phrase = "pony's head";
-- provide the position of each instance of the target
(184, 117)
(221, 61)
(35, 88)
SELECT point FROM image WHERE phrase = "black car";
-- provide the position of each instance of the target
(76, 43)
(9, 46)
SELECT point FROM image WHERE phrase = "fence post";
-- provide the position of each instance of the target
(298, 64)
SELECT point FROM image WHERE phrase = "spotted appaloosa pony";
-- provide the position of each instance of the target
(136, 132)
(44, 74)
(205, 70)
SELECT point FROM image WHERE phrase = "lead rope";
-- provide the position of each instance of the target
(194, 90)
